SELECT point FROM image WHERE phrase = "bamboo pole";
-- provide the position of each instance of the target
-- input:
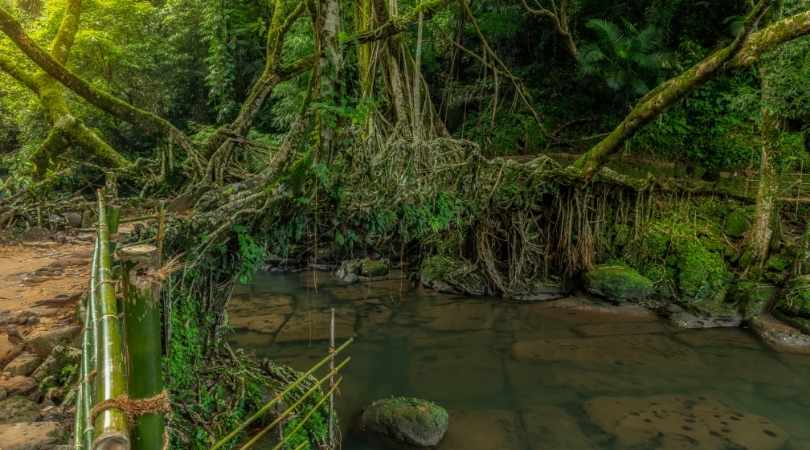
(143, 340)
(280, 396)
(89, 345)
(78, 426)
(111, 428)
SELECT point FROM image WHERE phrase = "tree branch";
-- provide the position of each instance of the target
(18, 73)
(63, 42)
(668, 93)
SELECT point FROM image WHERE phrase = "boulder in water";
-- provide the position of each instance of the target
(408, 421)
(618, 283)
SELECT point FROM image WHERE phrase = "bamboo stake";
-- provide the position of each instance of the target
(291, 409)
(280, 396)
(111, 427)
(309, 414)
(332, 379)
(143, 340)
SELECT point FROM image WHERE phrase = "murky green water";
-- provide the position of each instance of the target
(534, 376)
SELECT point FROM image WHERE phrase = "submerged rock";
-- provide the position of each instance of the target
(668, 422)
(618, 283)
(408, 421)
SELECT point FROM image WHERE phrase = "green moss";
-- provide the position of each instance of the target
(374, 267)
(796, 301)
(703, 277)
(777, 263)
(451, 274)
(753, 297)
(737, 223)
(618, 283)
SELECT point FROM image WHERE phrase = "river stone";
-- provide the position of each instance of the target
(29, 436)
(637, 351)
(8, 349)
(18, 385)
(781, 336)
(24, 364)
(618, 283)
(452, 276)
(43, 341)
(349, 271)
(18, 409)
(674, 422)
(409, 421)
(549, 427)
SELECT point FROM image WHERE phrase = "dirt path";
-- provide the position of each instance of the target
(41, 283)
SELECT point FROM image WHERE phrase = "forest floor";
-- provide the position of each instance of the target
(42, 279)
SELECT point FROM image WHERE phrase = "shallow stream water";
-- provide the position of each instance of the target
(543, 376)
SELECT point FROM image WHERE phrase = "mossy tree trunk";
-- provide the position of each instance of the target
(765, 215)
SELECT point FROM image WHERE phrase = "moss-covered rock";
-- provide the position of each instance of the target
(374, 267)
(796, 301)
(753, 297)
(702, 276)
(737, 223)
(618, 283)
(453, 275)
(408, 421)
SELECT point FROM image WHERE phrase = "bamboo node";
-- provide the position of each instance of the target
(134, 408)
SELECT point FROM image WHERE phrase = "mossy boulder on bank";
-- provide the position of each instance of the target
(702, 276)
(408, 421)
(737, 223)
(618, 283)
(796, 301)
(453, 275)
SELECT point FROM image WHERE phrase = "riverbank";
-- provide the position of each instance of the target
(42, 279)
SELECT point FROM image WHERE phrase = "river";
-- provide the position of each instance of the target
(542, 376)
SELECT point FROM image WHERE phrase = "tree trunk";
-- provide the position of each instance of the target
(766, 207)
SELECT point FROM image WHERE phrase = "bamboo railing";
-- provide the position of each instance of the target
(120, 400)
